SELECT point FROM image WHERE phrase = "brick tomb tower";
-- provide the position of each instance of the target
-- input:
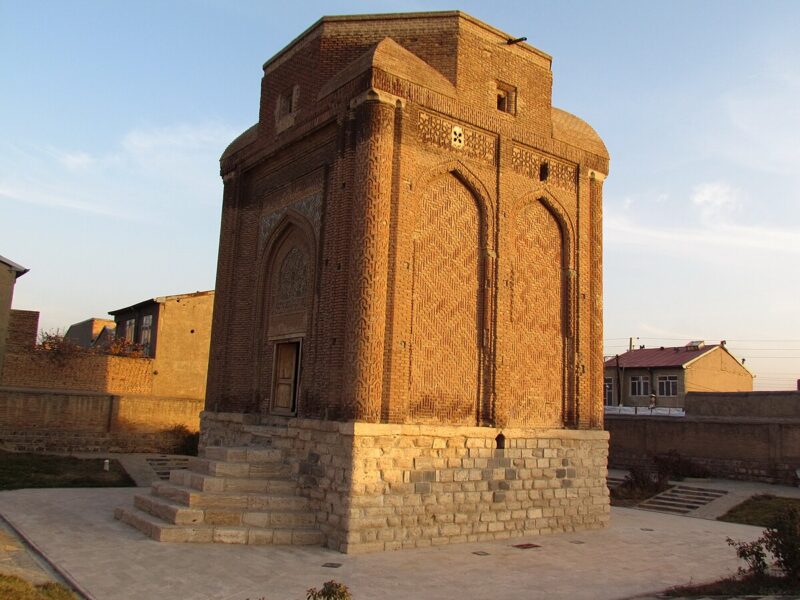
(407, 334)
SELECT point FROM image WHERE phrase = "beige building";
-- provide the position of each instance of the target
(9, 273)
(175, 332)
(666, 375)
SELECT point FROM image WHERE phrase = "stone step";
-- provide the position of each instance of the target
(170, 512)
(160, 531)
(241, 501)
(178, 514)
(240, 470)
(241, 454)
(209, 483)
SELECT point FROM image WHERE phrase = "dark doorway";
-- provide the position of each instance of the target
(287, 369)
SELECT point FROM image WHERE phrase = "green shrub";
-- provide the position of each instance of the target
(754, 554)
(782, 540)
(331, 590)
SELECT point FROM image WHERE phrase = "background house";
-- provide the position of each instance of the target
(91, 332)
(9, 272)
(174, 331)
(670, 373)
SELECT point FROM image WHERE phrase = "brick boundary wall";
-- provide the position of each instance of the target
(64, 441)
(383, 487)
(88, 372)
(752, 449)
(71, 421)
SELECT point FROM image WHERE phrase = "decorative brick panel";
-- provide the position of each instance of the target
(447, 306)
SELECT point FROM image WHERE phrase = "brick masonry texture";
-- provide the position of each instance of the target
(90, 372)
(436, 252)
(61, 421)
(432, 280)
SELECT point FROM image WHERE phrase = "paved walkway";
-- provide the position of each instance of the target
(641, 553)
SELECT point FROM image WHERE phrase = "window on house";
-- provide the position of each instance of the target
(286, 103)
(640, 385)
(668, 385)
(608, 391)
(130, 330)
(506, 98)
(145, 334)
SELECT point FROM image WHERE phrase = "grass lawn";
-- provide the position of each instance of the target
(19, 471)
(759, 510)
(14, 588)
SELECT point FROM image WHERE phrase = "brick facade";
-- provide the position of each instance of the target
(408, 299)
(444, 254)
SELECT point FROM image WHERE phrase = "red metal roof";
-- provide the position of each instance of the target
(659, 357)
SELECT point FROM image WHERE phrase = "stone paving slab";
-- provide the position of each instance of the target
(641, 553)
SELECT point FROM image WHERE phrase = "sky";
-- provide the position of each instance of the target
(113, 115)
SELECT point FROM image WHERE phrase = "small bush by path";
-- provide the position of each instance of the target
(773, 561)
(639, 485)
(14, 588)
(20, 471)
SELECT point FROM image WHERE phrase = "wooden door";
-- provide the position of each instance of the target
(287, 361)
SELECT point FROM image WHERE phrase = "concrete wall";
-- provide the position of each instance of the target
(734, 447)
(759, 405)
(47, 420)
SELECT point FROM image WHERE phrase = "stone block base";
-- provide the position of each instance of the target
(378, 487)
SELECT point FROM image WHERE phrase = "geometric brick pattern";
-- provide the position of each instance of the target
(446, 306)
(439, 132)
(413, 197)
(368, 274)
(536, 385)
(560, 173)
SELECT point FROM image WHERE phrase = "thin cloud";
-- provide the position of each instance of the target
(34, 194)
(150, 169)
(759, 122)
(622, 230)
(716, 200)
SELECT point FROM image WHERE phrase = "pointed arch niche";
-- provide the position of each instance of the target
(286, 291)
(540, 313)
(446, 370)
